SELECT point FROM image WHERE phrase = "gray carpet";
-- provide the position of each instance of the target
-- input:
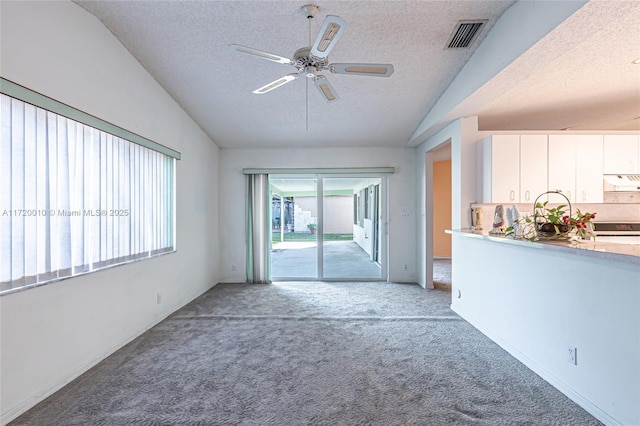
(311, 354)
(442, 273)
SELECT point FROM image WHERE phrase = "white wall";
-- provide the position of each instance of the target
(402, 241)
(51, 334)
(338, 214)
(462, 134)
(535, 303)
(362, 235)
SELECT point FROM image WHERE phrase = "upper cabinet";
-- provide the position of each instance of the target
(518, 168)
(501, 159)
(621, 154)
(515, 168)
(575, 167)
(533, 167)
(589, 166)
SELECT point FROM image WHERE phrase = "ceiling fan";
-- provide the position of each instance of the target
(309, 61)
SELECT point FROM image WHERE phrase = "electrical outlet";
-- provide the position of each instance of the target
(406, 267)
(572, 355)
(234, 268)
(158, 298)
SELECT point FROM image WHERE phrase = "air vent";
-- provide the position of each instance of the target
(464, 33)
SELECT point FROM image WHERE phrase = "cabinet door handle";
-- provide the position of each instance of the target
(526, 195)
(584, 195)
(512, 195)
(569, 195)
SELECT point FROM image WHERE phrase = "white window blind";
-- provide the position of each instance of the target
(74, 198)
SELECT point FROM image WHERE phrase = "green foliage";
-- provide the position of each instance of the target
(553, 222)
(554, 215)
(305, 236)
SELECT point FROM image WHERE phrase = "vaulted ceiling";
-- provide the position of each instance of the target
(579, 76)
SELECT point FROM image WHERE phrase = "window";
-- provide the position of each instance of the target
(75, 198)
(367, 201)
(355, 209)
(360, 222)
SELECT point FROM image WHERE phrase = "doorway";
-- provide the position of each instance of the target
(441, 209)
(328, 227)
(438, 218)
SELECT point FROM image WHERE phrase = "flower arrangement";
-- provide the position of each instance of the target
(553, 223)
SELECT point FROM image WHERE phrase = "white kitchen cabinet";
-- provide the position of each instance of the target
(589, 169)
(575, 167)
(515, 168)
(501, 173)
(621, 154)
(562, 165)
(533, 167)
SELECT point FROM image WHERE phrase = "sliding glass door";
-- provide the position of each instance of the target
(328, 227)
(351, 228)
(294, 237)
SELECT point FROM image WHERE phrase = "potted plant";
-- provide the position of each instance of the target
(549, 223)
(312, 227)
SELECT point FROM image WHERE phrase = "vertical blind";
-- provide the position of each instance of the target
(74, 198)
(258, 229)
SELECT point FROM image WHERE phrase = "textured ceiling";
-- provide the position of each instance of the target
(578, 77)
(184, 46)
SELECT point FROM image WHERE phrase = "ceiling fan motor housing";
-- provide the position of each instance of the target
(304, 60)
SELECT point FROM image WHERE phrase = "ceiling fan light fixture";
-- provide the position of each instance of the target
(315, 58)
(636, 62)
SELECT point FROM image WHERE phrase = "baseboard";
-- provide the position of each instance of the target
(48, 390)
(556, 382)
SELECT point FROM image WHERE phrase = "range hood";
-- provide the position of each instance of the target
(623, 182)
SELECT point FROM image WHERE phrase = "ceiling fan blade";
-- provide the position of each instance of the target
(374, 70)
(275, 84)
(332, 29)
(260, 54)
(325, 88)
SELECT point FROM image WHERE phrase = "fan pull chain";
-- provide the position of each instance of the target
(306, 80)
(309, 18)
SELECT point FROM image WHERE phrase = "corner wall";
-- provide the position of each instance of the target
(402, 200)
(53, 333)
(463, 135)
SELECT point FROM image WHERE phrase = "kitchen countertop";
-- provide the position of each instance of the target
(627, 253)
